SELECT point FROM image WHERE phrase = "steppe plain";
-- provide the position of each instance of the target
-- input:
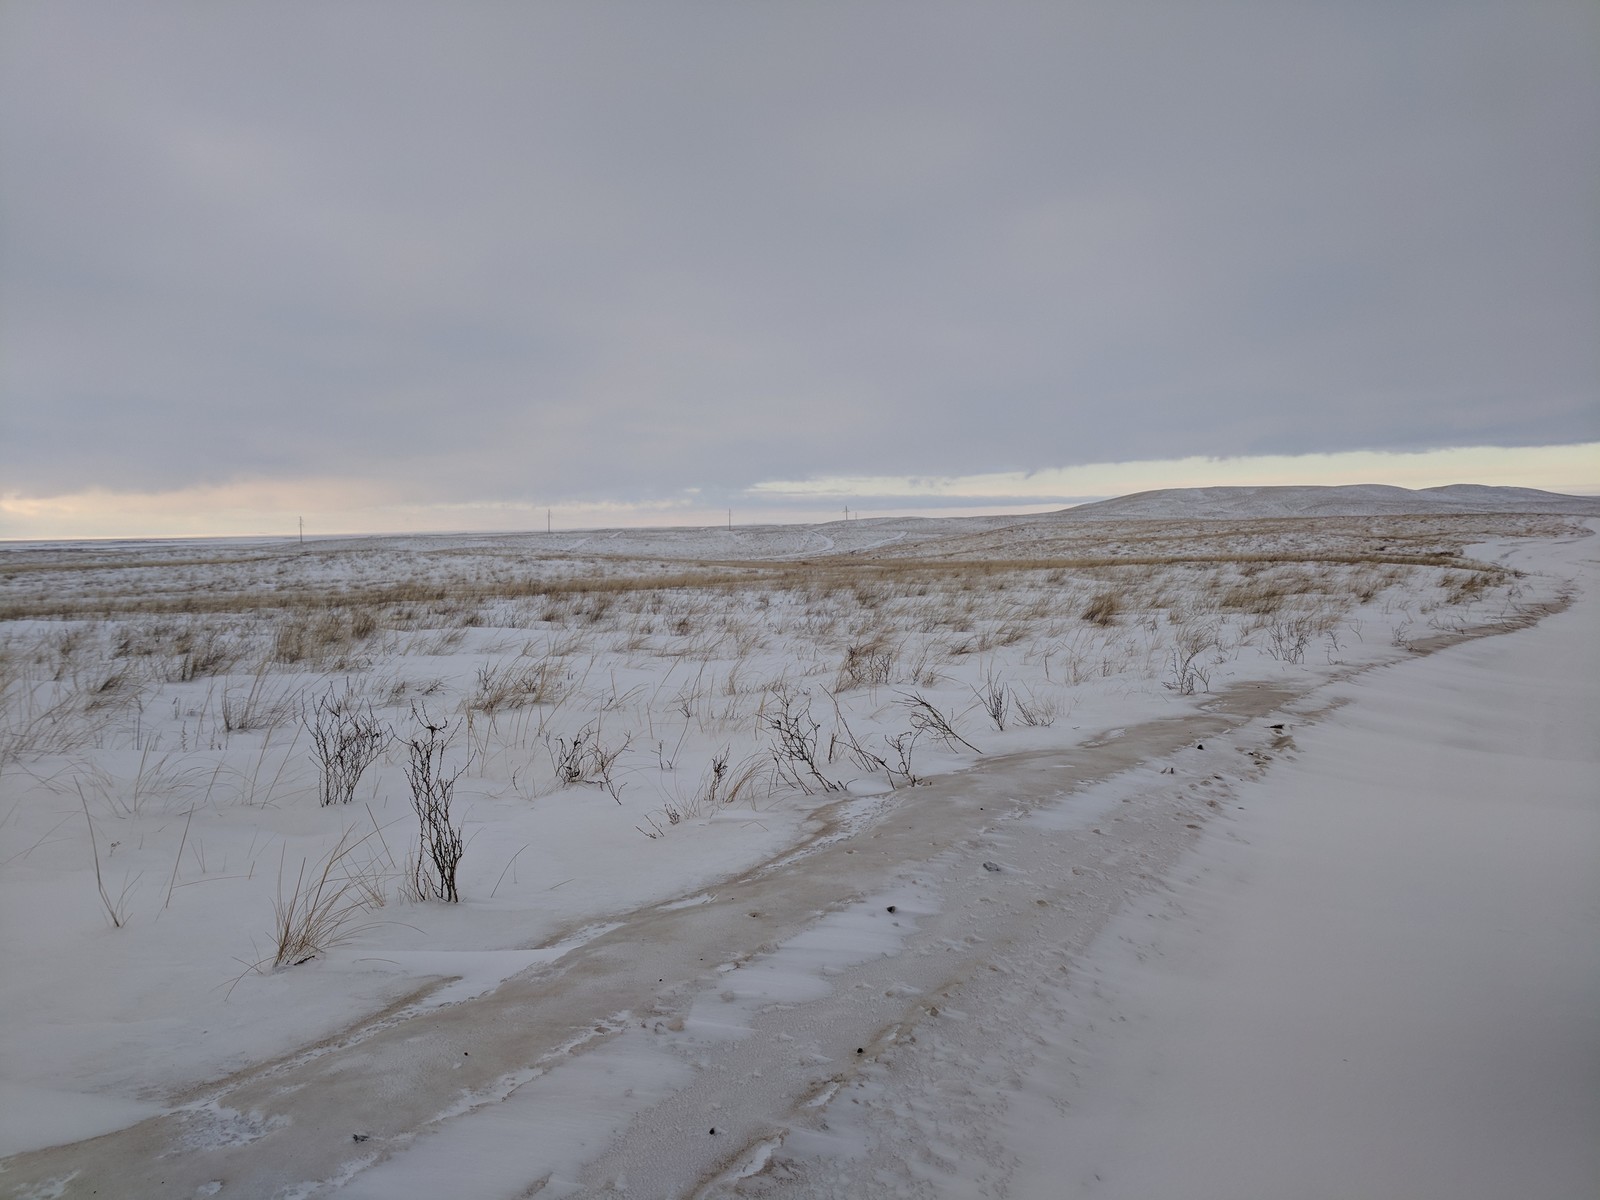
(749, 820)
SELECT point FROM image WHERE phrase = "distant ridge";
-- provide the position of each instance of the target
(1352, 500)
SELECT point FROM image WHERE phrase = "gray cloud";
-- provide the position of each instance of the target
(514, 252)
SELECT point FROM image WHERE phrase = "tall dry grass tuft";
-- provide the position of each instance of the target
(519, 684)
(1103, 608)
(261, 705)
(326, 903)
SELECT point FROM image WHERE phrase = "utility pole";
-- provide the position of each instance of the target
(302, 531)
(547, 520)
(730, 519)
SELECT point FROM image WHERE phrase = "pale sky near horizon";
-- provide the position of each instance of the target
(391, 265)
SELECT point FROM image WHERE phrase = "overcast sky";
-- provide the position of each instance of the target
(447, 264)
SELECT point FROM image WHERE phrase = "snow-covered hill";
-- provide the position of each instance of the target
(1355, 500)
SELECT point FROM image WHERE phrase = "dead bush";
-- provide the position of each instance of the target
(795, 733)
(586, 758)
(440, 843)
(346, 739)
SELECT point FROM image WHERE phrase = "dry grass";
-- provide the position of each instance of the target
(328, 900)
(520, 684)
(867, 663)
(1103, 608)
(722, 784)
(711, 680)
(571, 592)
(1095, 602)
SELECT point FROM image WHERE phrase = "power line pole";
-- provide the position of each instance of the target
(547, 520)
(302, 531)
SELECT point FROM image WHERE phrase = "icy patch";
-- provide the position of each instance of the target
(1087, 806)
(800, 969)
(753, 1163)
(868, 785)
(850, 818)
(213, 1127)
(50, 1189)
(473, 972)
(538, 1139)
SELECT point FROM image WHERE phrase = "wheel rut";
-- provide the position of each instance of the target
(967, 874)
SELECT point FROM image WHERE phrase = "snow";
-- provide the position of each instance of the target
(1368, 499)
(832, 980)
(1383, 979)
(39, 1116)
(1377, 976)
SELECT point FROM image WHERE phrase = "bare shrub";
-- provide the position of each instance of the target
(902, 744)
(795, 735)
(995, 697)
(897, 769)
(1287, 639)
(586, 758)
(1187, 672)
(346, 739)
(925, 718)
(440, 842)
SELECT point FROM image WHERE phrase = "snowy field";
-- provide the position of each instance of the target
(972, 857)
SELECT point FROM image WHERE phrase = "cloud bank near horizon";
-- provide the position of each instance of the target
(332, 506)
(477, 258)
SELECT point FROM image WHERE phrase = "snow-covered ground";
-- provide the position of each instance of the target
(645, 951)
(1381, 975)
(1375, 975)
